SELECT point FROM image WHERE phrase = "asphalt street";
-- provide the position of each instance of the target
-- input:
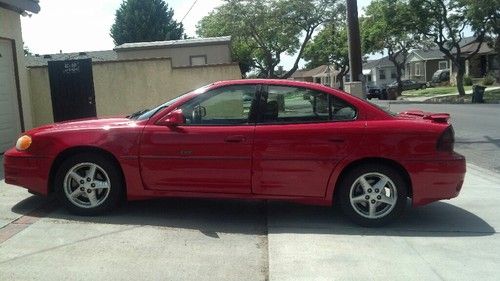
(477, 129)
(194, 239)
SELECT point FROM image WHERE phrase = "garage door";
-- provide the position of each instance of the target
(9, 112)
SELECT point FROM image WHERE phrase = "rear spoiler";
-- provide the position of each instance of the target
(436, 117)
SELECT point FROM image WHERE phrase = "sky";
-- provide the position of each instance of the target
(83, 25)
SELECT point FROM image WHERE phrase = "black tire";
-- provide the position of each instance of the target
(115, 183)
(350, 181)
(423, 87)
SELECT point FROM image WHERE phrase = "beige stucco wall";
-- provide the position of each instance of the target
(122, 87)
(10, 28)
(216, 54)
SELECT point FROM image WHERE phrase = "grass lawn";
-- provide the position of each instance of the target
(489, 97)
(430, 92)
(493, 95)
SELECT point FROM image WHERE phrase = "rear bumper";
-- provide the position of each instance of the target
(436, 179)
(28, 171)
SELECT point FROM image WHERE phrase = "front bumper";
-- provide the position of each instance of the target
(28, 171)
(436, 179)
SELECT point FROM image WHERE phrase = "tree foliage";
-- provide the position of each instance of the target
(391, 26)
(329, 46)
(443, 21)
(262, 31)
(145, 21)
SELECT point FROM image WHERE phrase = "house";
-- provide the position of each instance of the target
(15, 113)
(131, 77)
(421, 64)
(484, 62)
(323, 74)
(379, 72)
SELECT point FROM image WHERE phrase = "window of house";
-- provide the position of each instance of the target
(443, 64)
(229, 105)
(417, 69)
(381, 74)
(393, 74)
(298, 105)
(493, 62)
(198, 60)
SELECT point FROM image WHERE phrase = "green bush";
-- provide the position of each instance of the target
(488, 80)
(467, 80)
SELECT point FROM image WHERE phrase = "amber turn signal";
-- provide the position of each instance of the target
(23, 143)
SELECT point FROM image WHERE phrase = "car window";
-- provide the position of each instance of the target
(300, 105)
(229, 105)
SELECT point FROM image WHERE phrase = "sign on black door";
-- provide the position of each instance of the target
(72, 89)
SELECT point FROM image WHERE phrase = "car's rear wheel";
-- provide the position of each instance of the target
(88, 184)
(373, 195)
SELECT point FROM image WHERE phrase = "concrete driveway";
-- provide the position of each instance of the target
(192, 239)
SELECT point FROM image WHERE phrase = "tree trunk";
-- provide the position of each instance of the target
(398, 79)
(460, 64)
(340, 77)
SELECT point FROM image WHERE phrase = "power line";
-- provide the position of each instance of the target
(194, 3)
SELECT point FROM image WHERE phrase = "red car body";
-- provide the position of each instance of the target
(297, 162)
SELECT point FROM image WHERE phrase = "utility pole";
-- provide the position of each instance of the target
(354, 41)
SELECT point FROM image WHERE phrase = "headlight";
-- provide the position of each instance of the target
(23, 143)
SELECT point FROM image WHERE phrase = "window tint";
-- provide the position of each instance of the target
(223, 106)
(299, 105)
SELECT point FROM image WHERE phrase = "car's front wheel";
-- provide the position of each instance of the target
(88, 184)
(373, 195)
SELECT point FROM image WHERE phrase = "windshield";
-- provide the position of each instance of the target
(148, 113)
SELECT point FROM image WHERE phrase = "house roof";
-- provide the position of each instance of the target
(382, 62)
(429, 54)
(322, 69)
(484, 49)
(21, 5)
(174, 43)
(42, 60)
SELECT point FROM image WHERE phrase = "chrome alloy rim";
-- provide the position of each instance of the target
(373, 195)
(87, 185)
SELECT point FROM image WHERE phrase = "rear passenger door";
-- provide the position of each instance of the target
(300, 136)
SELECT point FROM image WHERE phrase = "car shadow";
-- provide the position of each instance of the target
(210, 217)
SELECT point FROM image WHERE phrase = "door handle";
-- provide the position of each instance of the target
(236, 138)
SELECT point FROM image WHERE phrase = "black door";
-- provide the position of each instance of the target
(72, 89)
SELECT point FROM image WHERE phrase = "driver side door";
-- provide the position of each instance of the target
(211, 152)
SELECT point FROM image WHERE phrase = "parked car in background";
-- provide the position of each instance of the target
(295, 141)
(408, 85)
(376, 91)
(439, 78)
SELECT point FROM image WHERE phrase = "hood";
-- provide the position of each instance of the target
(87, 123)
(419, 114)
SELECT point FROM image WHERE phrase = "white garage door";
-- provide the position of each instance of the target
(9, 111)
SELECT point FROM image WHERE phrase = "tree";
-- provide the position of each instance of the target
(329, 46)
(262, 31)
(390, 25)
(444, 21)
(145, 21)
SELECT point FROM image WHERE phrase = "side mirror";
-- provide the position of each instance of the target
(172, 119)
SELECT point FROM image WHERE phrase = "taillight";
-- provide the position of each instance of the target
(446, 141)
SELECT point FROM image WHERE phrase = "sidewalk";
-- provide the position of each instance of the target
(426, 98)
(191, 239)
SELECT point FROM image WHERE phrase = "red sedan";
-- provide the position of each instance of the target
(247, 139)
